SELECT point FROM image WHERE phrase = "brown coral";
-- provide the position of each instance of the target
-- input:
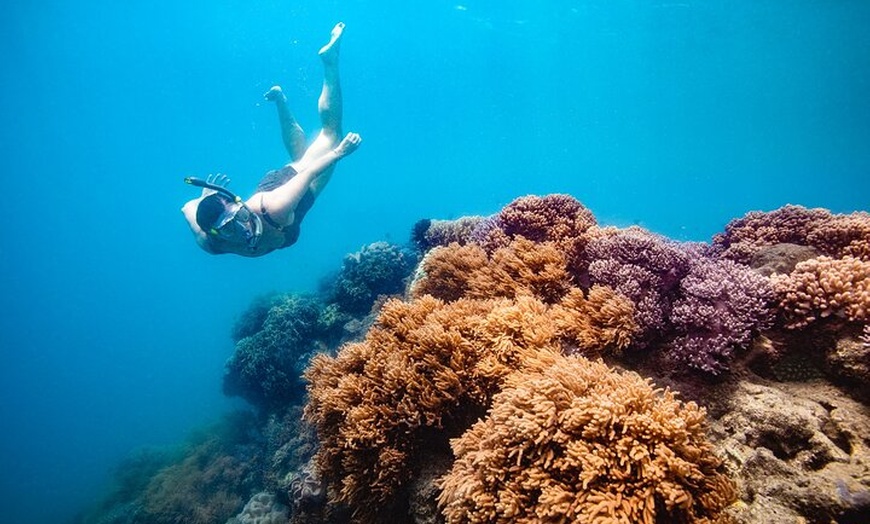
(522, 267)
(571, 440)
(824, 287)
(560, 219)
(601, 321)
(787, 225)
(835, 235)
(429, 364)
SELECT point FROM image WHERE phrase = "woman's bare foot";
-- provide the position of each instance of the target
(275, 94)
(348, 145)
(329, 52)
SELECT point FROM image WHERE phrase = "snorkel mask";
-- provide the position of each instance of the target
(237, 221)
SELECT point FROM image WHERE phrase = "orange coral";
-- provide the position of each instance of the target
(824, 287)
(570, 440)
(427, 363)
(520, 268)
(601, 321)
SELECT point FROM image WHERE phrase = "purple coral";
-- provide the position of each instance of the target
(644, 267)
(721, 306)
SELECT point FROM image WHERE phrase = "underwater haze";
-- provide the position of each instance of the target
(115, 326)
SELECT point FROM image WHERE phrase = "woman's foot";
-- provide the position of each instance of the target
(348, 145)
(329, 52)
(275, 94)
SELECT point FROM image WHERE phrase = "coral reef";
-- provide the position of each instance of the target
(834, 235)
(520, 268)
(766, 330)
(211, 482)
(560, 219)
(824, 288)
(377, 269)
(266, 367)
(578, 442)
(252, 319)
(428, 234)
(721, 306)
(645, 268)
(205, 481)
(424, 366)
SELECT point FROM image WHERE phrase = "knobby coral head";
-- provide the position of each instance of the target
(824, 289)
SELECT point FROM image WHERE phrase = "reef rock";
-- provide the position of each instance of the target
(799, 452)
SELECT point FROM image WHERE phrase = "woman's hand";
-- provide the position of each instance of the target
(218, 179)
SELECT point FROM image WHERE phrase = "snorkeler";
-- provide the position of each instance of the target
(224, 223)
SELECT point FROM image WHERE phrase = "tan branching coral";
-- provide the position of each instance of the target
(522, 267)
(824, 287)
(571, 440)
(445, 272)
(602, 321)
(429, 363)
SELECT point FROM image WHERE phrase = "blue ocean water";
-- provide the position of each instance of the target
(676, 115)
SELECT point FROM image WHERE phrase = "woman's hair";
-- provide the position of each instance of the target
(210, 210)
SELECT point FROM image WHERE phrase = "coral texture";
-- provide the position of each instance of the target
(799, 452)
(427, 233)
(722, 305)
(560, 219)
(262, 508)
(832, 234)
(642, 266)
(266, 367)
(824, 288)
(211, 480)
(424, 365)
(377, 269)
(520, 268)
(578, 442)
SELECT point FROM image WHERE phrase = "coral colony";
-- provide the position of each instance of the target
(534, 366)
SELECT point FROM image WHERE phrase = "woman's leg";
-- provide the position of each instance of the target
(291, 131)
(330, 107)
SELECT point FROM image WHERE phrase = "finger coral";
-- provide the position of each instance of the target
(843, 235)
(576, 441)
(824, 288)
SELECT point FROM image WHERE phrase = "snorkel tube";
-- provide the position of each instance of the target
(198, 182)
(256, 221)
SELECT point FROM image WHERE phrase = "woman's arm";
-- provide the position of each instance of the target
(281, 202)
